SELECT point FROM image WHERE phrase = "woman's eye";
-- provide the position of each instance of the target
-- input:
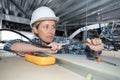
(54, 27)
(46, 27)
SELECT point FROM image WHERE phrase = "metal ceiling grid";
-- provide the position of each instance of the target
(69, 11)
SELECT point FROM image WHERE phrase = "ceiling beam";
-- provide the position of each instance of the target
(20, 8)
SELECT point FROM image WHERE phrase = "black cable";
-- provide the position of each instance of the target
(17, 33)
(20, 35)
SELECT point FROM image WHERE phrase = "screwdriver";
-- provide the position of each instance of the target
(65, 44)
(99, 59)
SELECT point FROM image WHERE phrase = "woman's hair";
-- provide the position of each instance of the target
(36, 25)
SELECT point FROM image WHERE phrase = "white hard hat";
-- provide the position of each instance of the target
(43, 13)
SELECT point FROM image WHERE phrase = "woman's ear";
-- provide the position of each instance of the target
(34, 30)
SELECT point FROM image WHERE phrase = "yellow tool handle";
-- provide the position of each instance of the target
(42, 61)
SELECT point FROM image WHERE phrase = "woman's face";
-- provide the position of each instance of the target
(46, 31)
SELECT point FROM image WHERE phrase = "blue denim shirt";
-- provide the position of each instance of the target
(72, 49)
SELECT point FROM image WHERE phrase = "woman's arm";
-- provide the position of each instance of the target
(23, 46)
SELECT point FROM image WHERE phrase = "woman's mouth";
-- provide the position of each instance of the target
(50, 37)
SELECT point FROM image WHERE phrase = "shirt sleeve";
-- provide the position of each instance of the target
(11, 42)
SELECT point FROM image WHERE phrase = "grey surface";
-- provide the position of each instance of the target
(100, 70)
(68, 67)
(16, 68)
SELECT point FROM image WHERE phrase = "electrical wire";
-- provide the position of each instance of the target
(17, 33)
(19, 54)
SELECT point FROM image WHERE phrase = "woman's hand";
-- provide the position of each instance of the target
(95, 44)
(55, 47)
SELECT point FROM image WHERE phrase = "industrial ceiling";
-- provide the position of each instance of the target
(71, 12)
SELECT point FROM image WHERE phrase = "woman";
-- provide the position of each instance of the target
(43, 23)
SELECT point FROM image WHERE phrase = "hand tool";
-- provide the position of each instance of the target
(90, 55)
(99, 59)
(40, 59)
